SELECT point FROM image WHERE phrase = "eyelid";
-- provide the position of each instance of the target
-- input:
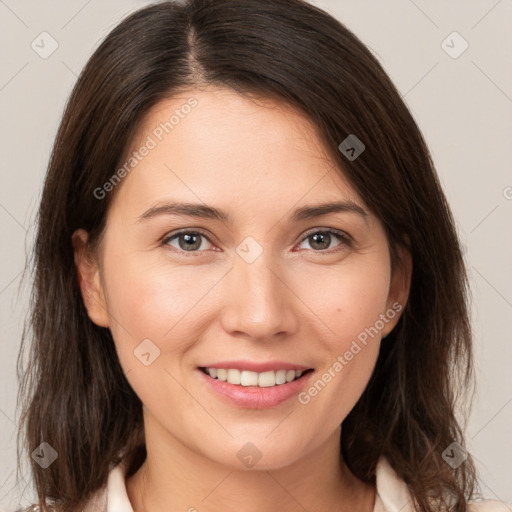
(173, 234)
(339, 232)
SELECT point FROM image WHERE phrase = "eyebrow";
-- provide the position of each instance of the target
(203, 211)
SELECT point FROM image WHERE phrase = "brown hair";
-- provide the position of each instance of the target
(74, 393)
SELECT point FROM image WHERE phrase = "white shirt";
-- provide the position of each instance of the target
(392, 494)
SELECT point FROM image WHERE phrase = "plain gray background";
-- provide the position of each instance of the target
(462, 101)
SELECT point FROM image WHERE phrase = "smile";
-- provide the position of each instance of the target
(248, 378)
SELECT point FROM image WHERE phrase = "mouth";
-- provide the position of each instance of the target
(250, 379)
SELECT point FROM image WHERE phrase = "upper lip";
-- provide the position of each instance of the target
(255, 366)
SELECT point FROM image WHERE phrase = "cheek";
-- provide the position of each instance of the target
(143, 298)
(348, 303)
(154, 311)
(346, 299)
(157, 301)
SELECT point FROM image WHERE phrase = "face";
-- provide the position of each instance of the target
(266, 284)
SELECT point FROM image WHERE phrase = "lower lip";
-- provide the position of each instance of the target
(254, 397)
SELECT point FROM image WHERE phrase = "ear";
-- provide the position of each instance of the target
(89, 279)
(399, 287)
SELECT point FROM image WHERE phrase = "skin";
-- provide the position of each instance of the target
(299, 301)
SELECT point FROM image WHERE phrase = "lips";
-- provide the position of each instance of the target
(246, 392)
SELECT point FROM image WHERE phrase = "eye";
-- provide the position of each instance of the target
(188, 241)
(192, 241)
(321, 239)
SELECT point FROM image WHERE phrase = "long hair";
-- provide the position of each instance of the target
(73, 391)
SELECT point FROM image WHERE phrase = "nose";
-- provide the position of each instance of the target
(259, 302)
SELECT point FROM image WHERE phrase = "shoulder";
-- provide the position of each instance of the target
(96, 503)
(489, 506)
(393, 494)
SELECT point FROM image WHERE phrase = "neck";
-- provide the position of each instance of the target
(174, 477)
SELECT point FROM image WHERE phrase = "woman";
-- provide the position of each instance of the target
(249, 292)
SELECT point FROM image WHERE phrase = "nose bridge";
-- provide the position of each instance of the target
(260, 277)
(259, 304)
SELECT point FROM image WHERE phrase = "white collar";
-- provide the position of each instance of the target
(392, 494)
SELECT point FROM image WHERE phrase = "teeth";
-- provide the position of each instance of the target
(280, 376)
(234, 376)
(248, 378)
(267, 379)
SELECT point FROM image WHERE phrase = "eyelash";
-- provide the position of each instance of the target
(343, 237)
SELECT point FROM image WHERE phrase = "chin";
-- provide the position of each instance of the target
(258, 455)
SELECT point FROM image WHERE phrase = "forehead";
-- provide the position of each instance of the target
(216, 143)
(234, 121)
